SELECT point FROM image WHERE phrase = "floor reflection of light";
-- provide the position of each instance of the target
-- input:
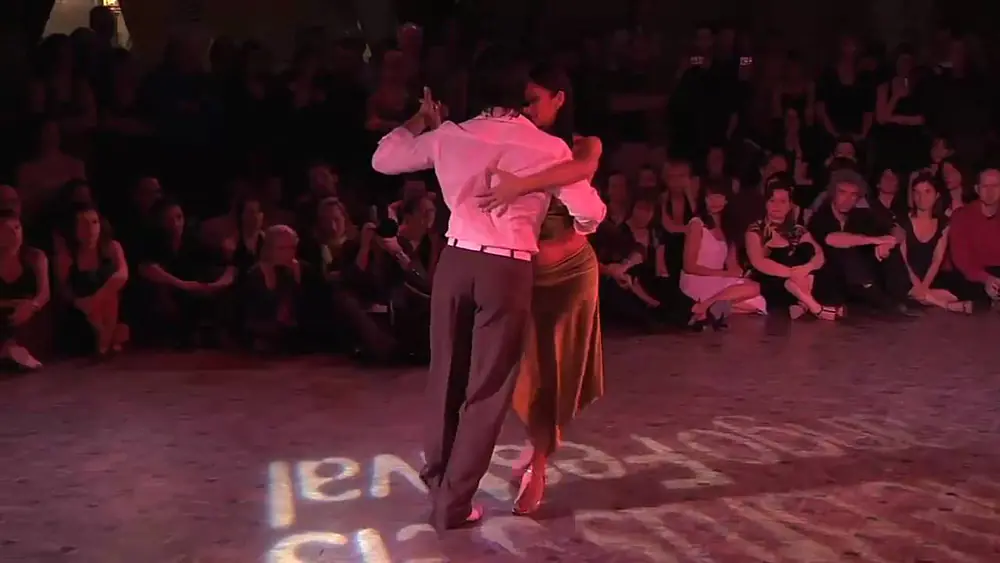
(371, 547)
(311, 482)
(285, 550)
(281, 500)
(384, 466)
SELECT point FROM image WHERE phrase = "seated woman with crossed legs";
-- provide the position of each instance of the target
(784, 256)
(712, 274)
(24, 285)
(926, 244)
(91, 271)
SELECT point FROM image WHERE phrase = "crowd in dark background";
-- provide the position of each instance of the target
(224, 201)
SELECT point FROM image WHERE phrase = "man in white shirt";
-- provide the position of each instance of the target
(481, 296)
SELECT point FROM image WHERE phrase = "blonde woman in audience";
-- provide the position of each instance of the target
(273, 292)
(91, 271)
(926, 244)
(24, 286)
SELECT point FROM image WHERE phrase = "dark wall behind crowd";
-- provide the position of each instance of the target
(803, 23)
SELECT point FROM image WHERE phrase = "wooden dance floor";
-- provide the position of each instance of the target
(873, 441)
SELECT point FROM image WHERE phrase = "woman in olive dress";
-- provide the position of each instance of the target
(563, 367)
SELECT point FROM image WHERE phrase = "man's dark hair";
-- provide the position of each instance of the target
(497, 81)
(841, 163)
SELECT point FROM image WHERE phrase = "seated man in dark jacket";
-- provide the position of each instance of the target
(863, 259)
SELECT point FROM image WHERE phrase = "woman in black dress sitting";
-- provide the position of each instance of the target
(183, 283)
(653, 280)
(24, 286)
(248, 240)
(91, 271)
(783, 256)
(926, 244)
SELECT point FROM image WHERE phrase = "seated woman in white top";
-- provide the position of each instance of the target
(712, 275)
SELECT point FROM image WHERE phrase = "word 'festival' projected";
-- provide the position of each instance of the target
(344, 509)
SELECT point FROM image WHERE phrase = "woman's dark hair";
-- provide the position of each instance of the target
(926, 177)
(728, 224)
(241, 206)
(497, 81)
(880, 171)
(554, 79)
(67, 189)
(69, 229)
(966, 173)
(781, 182)
(703, 168)
(64, 208)
(160, 209)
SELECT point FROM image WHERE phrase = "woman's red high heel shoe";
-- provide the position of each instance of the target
(531, 492)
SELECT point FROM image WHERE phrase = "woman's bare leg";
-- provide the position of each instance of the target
(943, 299)
(532, 486)
(735, 294)
(803, 292)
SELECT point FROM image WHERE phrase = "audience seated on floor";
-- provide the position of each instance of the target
(184, 285)
(784, 257)
(863, 261)
(233, 203)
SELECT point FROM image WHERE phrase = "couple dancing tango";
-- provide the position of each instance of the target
(514, 304)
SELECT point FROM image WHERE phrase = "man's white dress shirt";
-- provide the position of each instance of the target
(461, 153)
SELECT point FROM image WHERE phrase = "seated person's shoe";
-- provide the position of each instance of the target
(22, 357)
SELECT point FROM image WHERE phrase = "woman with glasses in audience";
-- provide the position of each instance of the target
(784, 257)
(926, 244)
